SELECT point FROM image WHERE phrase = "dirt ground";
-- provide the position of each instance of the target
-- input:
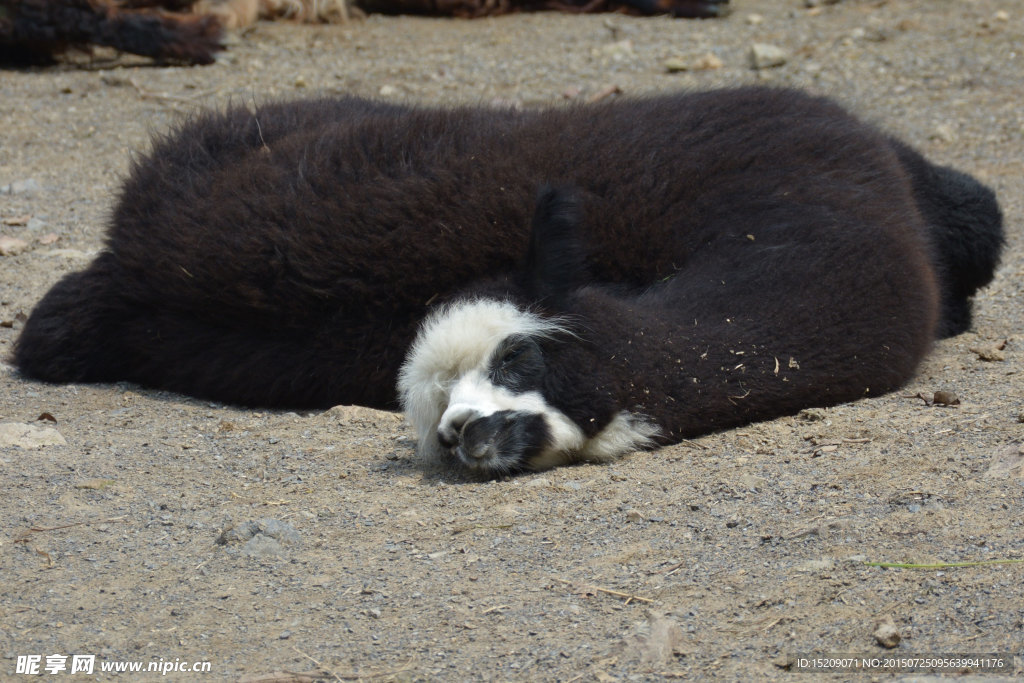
(291, 547)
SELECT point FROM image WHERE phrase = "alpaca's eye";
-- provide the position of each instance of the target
(518, 364)
(512, 355)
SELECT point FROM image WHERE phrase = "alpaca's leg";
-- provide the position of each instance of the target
(100, 326)
(72, 334)
(263, 363)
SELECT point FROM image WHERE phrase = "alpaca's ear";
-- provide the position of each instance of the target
(556, 261)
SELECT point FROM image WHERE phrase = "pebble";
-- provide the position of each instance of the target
(816, 565)
(943, 132)
(785, 661)
(886, 633)
(267, 528)
(262, 546)
(993, 351)
(765, 56)
(705, 62)
(27, 187)
(9, 246)
(674, 64)
(617, 51)
(29, 436)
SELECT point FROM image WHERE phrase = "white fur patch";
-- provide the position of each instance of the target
(452, 342)
(444, 382)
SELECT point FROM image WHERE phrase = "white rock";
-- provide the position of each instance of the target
(28, 187)
(29, 436)
(765, 56)
(943, 132)
(886, 633)
(9, 246)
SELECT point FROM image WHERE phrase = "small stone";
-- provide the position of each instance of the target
(9, 246)
(707, 62)
(35, 224)
(821, 565)
(812, 415)
(943, 132)
(387, 91)
(785, 661)
(990, 352)
(676, 64)
(886, 633)
(300, 82)
(617, 51)
(17, 221)
(1008, 462)
(29, 436)
(755, 19)
(266, 528)
(262, 546)
(27, 187)
(765, 56)
(284, 635)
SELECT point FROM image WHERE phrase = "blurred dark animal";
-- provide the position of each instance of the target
(697, 9)
(36, 31)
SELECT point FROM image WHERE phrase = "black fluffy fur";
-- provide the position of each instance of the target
(728, 256)
(34, 31)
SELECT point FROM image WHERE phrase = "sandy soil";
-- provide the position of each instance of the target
(167, 528)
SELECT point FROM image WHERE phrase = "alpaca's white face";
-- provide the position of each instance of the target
(472, 388)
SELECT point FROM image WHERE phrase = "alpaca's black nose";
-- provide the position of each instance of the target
(447, 439)
(449, 432)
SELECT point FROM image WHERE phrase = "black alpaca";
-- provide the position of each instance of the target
(718, 258)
